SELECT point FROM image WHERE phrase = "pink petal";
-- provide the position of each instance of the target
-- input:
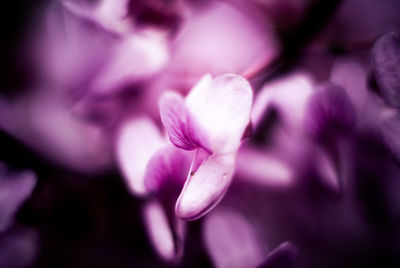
(14, 190)
(108, 14)
(221, 108)
(43, 121)
(178, 122)
(205, 187)
(167, 171)
(161, 232)
(352, 77)
(136, 57)
(231, 240)
(264, 168)
(19, 247)
(138, 139)
(289, 96)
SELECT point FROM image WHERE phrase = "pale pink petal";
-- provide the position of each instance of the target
(109, 14)
(263, 168)
(138, 139)
(221, 108)
(231, 240)
(43, 121)
(225, 34)
(136, 58)
(167, 244)
(288, 95)
(205, 187)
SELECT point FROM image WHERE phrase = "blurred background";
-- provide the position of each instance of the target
(74, 74)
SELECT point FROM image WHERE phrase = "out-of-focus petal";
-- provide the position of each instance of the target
(69, 50)
(178, 122)
(234, 42)
(284, 256)
(43, 121)
(109, 14)
(167, 243)
(136, 58)
(288, 96)
(14, 190)
(390, 127)
(351, 76)
(263, 168)
(329, 112)
(205, 187)
(386, 67)
(231, 240)
(138, 139)
(326, 171)
(221, 107)
(19, 248)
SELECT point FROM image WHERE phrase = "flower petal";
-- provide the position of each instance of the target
(351, 76)
(178, 122)
(14, 190)
(390, 127)
(19, 247)
(136, 58)
(329, 112)
(108, 14)
(386, 67)
(221, 108)
(166, 173)
(205, 187)
(231, 240)
(167, 238)
(263, 168)
(138, 139)
(288, 95)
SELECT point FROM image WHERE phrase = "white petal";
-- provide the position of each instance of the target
(221, 107)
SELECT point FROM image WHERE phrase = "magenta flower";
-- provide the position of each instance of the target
(211, 120)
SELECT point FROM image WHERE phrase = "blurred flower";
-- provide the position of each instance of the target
(18, 244)
(385, 60)
(330, 112)
(15, 188)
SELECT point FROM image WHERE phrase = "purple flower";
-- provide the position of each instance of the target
(212, 118)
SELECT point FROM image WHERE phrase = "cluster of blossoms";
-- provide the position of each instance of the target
(189, 101)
